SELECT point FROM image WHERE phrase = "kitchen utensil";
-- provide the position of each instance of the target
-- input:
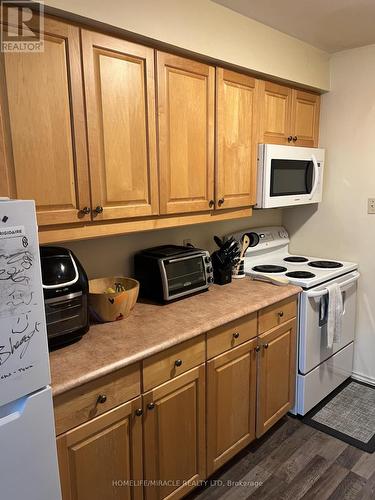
(111, 306)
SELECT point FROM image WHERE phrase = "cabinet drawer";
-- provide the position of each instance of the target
(81, 404)
(172, 362)
(231, 335)
(277, 314)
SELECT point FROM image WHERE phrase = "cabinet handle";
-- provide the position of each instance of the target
(139, 412)
(102, 398)
(290, 138)
(236, 335)
(221, 202)
(265, 346)
(295, 138)
(257, 349)
(151, 406)
(281, 314)
(98, 210)
(211, 203)
(84, 211)
(178, 362)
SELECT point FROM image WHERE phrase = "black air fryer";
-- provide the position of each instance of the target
(65, 288)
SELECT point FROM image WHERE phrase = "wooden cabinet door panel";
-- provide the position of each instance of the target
(43, 126)
(276, 110)
(231, 400)
(186, 134)
(120, 101)
(93, 456)
(277, 375)
(305, 117)
(174, 435)
(236, 96)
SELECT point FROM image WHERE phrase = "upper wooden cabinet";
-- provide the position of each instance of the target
(276, 375)
(236, 115)
(288, 116)
(186, 100)
(43, 138)
(120, 103)
(305, 118)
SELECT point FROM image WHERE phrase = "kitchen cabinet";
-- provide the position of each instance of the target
(174, 435)
(186, 107)
(276, 374)
(231, 402)
(93, 456)
(288, 116)
(120, 104)
(42, 136)
(236, 132)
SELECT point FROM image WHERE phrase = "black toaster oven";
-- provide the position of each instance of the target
(170, 272)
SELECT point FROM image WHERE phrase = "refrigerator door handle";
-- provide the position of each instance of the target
(12, 411)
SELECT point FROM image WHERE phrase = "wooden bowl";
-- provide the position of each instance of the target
(112, 306)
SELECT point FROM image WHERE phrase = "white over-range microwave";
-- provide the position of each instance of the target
(289, 175)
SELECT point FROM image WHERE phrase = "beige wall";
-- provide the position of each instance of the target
(340, 227)
(111, 256)
(213, 30)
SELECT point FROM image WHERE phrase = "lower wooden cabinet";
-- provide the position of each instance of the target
(276, 375)
(99, 458)
(174, 435)
(231, 401)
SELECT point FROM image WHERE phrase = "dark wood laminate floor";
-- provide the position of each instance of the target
(294, 461)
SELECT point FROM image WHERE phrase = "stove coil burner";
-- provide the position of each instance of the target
(269, 269)
(300, 274)
(295, 259)
(325, 264)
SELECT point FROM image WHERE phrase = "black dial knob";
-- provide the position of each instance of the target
(210, 279)
(209, 269)
(207, 260)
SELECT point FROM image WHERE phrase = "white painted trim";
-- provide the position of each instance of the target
(363, 378)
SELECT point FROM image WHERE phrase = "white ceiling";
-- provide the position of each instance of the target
(331, 25)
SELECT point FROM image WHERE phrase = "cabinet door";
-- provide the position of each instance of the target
(120, 103)
(186, 91)
(231, 399)
(277, 375)
(276, 107)
(174, 435)
(305, 118)
(93, 456)
(43, 148)
(236, 158)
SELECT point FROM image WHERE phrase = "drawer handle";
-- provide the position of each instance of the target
(178, 362)
(295, 138)
(265, 346)
(102, 398)
(236, 335)
(257, 349)
(151, 406)
(290, 138)
(281, 314)
(139, 412)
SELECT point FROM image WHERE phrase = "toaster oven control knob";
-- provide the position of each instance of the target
(209, 269)
(102, 398)
(178, 362)
(207, 260)
(210, 279)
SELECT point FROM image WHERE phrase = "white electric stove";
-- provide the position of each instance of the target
(320, 368)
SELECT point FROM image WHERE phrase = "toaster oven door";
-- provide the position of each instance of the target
(183, 276)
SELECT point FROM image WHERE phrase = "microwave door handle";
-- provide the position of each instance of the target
(342, 285)
(316, 176)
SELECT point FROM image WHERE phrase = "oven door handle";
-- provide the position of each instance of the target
(320, 293)
(316, 176)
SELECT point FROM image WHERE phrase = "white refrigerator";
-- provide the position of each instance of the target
(28, 459)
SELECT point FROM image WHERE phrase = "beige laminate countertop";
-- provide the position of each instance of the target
(152, 328)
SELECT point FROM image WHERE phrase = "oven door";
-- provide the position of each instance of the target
(182, 276)
(292, 175)
(313, 348)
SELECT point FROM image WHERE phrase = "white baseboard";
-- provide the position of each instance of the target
(363, 378)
